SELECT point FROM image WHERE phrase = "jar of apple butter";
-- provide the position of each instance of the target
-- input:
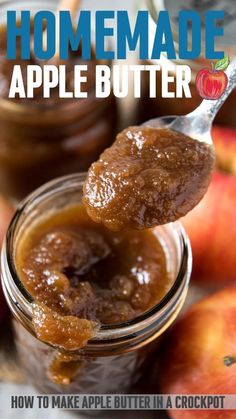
(89, 304)
(154, 107)
(45, 138)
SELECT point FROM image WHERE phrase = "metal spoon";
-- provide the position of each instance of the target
(198, 123)
(171, 189)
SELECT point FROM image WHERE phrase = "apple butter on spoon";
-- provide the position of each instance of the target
(155, 173)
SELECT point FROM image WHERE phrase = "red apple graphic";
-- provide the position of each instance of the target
(211, 84)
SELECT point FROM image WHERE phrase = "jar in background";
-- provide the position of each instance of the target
(45, 138)
(154, 107)
(114, 360)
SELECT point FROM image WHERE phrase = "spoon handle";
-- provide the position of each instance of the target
(209, 108)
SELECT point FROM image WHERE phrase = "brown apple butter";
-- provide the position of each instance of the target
(82, 275)
(149, 176)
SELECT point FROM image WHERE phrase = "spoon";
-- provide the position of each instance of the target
(150, 176)
(198, 123)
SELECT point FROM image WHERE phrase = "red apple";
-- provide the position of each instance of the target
(6, 213)
(211, 84)
(225, 147)
(199, 354)
(211, 227)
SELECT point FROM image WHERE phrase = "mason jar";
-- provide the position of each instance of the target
(114, 360)
(154, 107)
(45, 138)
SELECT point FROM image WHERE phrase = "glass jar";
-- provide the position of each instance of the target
(113, 361)
(154, 107)
(42, 138)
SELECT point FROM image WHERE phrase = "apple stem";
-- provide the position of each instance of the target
(229, 360)
(212, 66)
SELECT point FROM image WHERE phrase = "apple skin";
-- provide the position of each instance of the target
(211, 227)
(193, 353)
(225, 147)
(211, 84)
(6, 213)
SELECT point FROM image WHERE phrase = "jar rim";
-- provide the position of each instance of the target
(106, 332)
